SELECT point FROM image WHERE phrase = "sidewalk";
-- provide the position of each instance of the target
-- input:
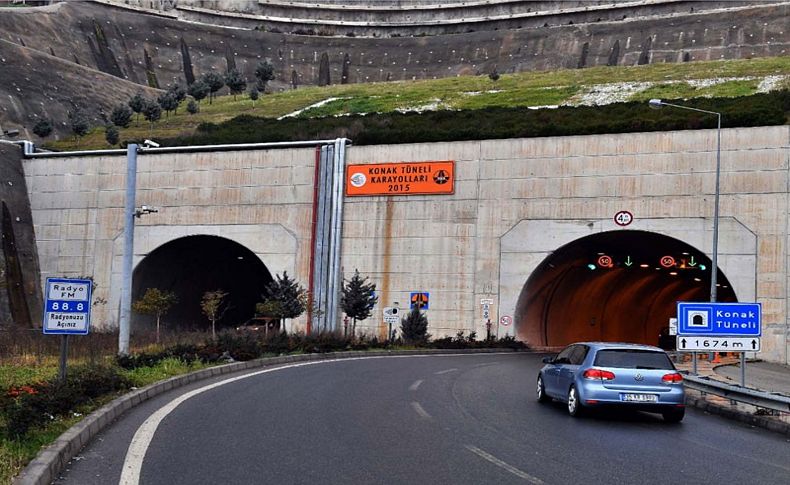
(764, 376)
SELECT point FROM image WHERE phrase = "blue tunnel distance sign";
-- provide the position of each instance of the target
(721, 319)
(67, 309)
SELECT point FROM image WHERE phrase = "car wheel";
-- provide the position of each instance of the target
(541, 391)
(574, 403)
(674, 415)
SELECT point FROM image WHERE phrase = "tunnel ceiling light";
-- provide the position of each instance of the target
(673, 273)
(685, 254)
(239, 257)
(697, 279)
(644, 265)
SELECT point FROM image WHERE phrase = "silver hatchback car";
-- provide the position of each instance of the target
(595, 374)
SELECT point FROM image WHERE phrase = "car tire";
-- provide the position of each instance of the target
(541, 391)
(575, 407)
(674, 415)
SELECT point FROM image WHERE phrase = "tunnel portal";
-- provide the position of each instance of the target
(618, 286)
(193, 265)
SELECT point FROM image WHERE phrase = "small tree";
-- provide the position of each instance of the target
(235, 82)
(414, 326)
(112, 135)
(168, 102)
(253, 94)
(179, 93)
(199, 90)
(152, 112)
(192, 107)
(214, 307)
(358, 299)
(43, 128)
(283, 298)
(155, 302)
(214, 81)
(264, 72)
(80, 125)
(121, 116)
(137, 104)
(494, 75)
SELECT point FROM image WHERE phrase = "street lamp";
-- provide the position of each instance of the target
(714, 270)
(658, 104)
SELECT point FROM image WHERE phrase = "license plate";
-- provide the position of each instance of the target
(640, 397)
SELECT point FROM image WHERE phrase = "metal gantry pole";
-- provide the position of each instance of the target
(128, 250)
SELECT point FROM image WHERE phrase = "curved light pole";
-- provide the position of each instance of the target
(657, 104)
(714, 271)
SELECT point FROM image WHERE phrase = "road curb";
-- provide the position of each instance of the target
(50, 461)
(698, 400)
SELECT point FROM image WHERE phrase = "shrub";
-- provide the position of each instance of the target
(414, 327)
(29, 406)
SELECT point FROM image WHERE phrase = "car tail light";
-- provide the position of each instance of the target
(674, 378)
(603, 375)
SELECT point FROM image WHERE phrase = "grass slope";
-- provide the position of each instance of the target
(593, 86)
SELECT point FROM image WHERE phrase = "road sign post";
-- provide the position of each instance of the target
(391, 317)
(720, 327)
(67, 311)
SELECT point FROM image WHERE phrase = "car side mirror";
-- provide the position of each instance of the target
(548, 360)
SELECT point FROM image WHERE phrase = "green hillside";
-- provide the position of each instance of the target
(537, 90)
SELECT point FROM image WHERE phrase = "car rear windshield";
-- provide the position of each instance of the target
(632, 359)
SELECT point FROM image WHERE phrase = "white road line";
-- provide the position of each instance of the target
(419, 410)
(416, 384)
(496, 461)
(445, 371)
(133, 463)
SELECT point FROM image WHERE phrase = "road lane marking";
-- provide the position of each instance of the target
(416, 384)
(420, 410)
(133, 463)
(445, 371)
(501, 464)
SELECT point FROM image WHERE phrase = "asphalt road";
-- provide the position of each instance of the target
(467, 419)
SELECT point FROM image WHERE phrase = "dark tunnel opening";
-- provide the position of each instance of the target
(193, 265)
(618, 286)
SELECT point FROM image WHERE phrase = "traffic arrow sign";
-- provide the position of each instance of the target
(692, 263)
(628, 261)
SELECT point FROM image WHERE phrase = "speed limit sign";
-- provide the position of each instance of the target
(623, 218)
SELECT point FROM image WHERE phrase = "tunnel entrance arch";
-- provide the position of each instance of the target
(191, 265)
(613, 286)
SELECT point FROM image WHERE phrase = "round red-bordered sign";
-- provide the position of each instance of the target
(623, 218)
(667, 261)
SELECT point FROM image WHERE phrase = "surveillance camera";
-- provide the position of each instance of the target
(151, 143)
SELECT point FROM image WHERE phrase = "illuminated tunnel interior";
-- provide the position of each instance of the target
(192, 265)
(620, 286)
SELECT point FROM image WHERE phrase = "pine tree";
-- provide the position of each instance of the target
(199, 90)
(358, 299)
(43, 128)
(414, 326)
(112, 135)
(264, 72)
(80, 125)
(284, 298)
(121, 116)
(137, 103)
(214, 81)
(235, 82)
(254, 95)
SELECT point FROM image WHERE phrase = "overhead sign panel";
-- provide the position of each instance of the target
(722, 319)
(408, 178)
(67, 309)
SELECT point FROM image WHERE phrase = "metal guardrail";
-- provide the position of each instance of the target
(768, 400)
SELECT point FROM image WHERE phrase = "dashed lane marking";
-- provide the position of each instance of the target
(416, 384)
(420, 410)
(501, 464)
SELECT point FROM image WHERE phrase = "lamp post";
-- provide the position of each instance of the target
(658, 104)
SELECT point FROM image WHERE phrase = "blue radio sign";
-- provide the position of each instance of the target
(67, 308)
(720, 319)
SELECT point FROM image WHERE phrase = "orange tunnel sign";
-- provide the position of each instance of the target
(407, 178)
